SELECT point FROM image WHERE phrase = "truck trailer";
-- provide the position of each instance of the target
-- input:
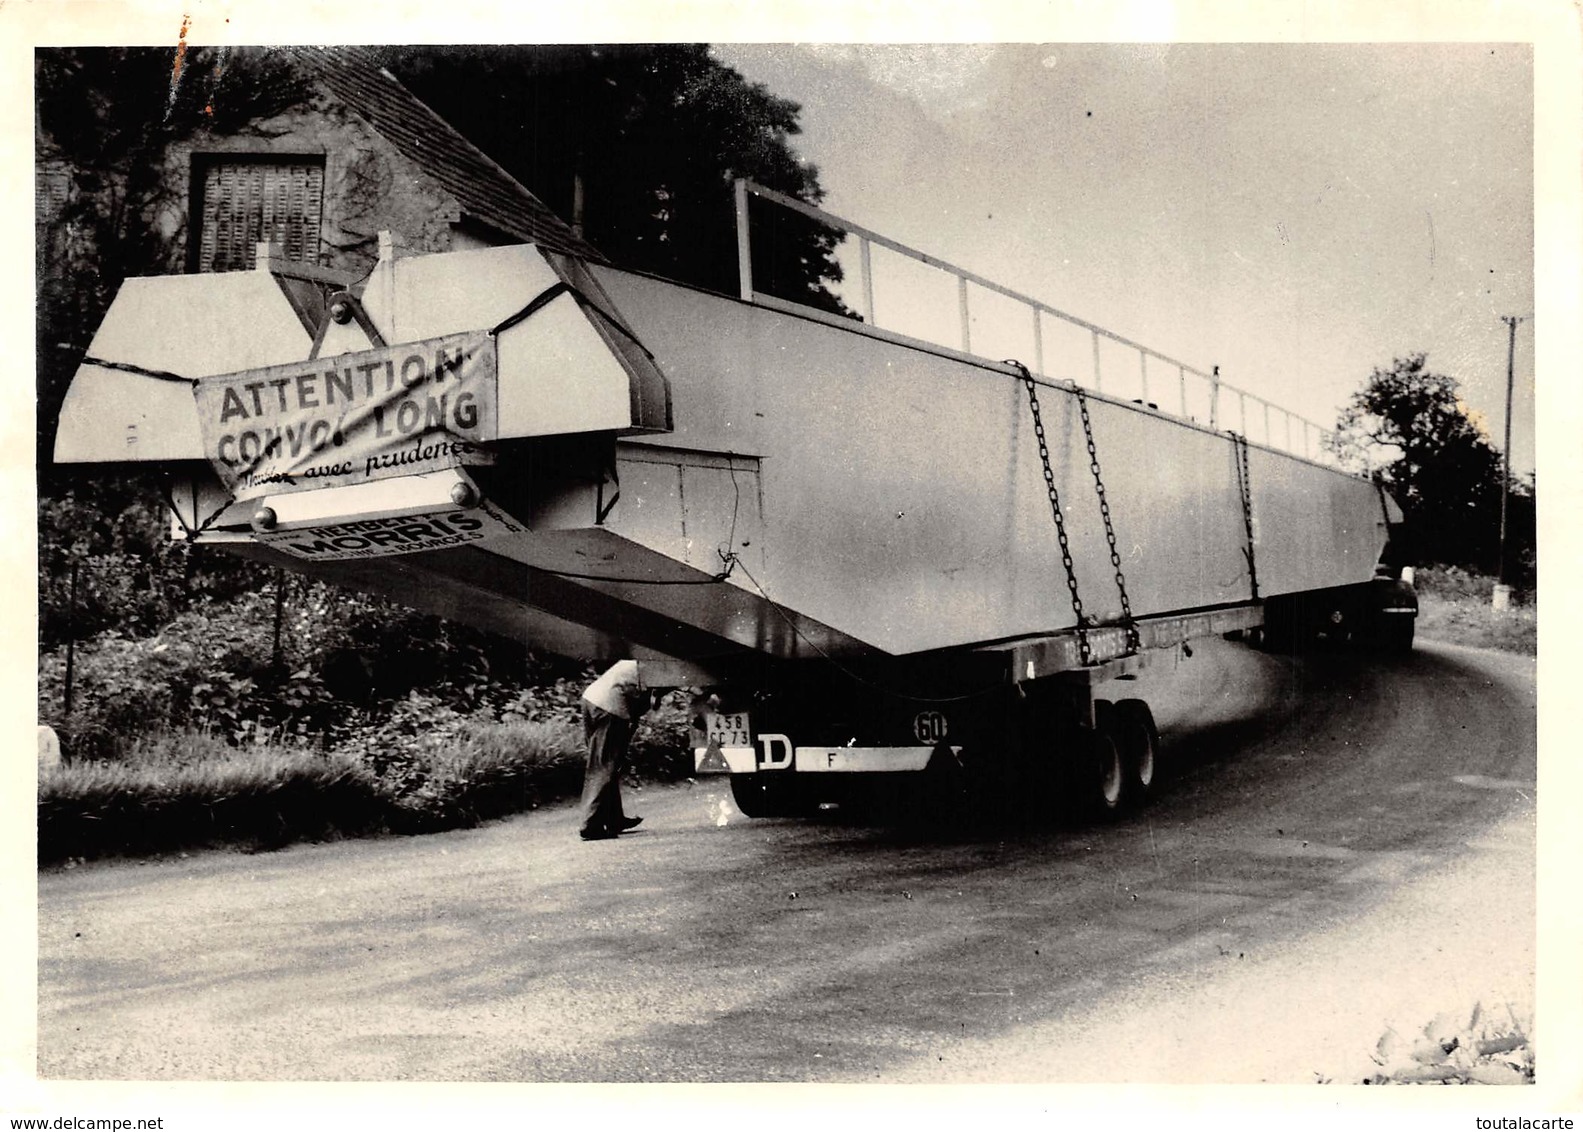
(878, 559)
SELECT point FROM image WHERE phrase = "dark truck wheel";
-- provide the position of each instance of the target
(768, 795)
(1285, 627)
(1103, 780)
(939, 796)
(1393, 615)
(1396, 634)
(1139, 741)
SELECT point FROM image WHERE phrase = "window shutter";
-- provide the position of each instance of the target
(51, 191)
(248, 201)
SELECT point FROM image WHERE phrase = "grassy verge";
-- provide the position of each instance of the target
(189, 789)
(1455, 606)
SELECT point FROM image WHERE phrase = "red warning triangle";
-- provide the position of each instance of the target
(714, 760)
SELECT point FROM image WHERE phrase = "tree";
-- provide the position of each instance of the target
(1409, 429)
(104, 118)
(639, 145)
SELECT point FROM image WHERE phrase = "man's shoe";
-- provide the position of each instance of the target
(597, 834)
(630, 823)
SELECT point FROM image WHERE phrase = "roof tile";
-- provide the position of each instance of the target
(485, 191)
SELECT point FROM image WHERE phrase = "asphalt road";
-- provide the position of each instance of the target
(1299, 795)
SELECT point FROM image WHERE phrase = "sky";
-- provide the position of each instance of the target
(1296, 213)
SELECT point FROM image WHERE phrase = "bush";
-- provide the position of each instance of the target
(131, 576)
(201, 671)
(1455, 606)
(1454, 582)
(1481, 1047)
(498, 769)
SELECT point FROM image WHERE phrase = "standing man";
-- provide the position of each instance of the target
(612, 706)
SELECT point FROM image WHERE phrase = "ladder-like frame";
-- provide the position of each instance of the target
(1309, 431)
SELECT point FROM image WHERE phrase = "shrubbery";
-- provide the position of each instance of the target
(1455, 583)
(131, 576)
(368, 717)
(411, 766)
(190, 789)
(1455, 606)
(341, 657)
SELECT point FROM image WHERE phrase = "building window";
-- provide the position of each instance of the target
(51, 191)
(243, 201)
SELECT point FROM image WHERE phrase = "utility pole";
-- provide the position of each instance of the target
(1503, 590)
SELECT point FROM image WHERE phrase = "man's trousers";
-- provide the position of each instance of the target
(608, 736)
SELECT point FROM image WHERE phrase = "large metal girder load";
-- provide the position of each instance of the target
(606, 464)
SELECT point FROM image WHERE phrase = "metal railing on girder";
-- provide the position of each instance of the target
(1307, 443)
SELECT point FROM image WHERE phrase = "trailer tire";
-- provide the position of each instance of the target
(1281, 633)
(1139, 741)
(1103, 772)
(768, 796)
(1398, 634)
(1392, 615)
(947, 794)
(934, 798)
(1393, 633)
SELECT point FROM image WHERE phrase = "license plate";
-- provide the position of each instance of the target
(728, 729)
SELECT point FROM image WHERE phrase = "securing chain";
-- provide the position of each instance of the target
(1055, 510)
(1110, 530)
(190, 533)
(141, 371)
(1244, 485)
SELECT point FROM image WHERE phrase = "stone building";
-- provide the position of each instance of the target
(359, 154)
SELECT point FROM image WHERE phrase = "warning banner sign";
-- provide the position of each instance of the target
(393, 411)
(407, 534)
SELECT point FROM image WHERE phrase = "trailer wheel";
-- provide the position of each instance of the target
(1104, 774)
(1399, 634)
(1392, 615)
(1393, 633)
(945, 797)
(1280, 633)
(1140, 748)
(767, 796)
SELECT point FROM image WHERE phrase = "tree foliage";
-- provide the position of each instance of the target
(106, 115)
(1409, 428)
(654, 134)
